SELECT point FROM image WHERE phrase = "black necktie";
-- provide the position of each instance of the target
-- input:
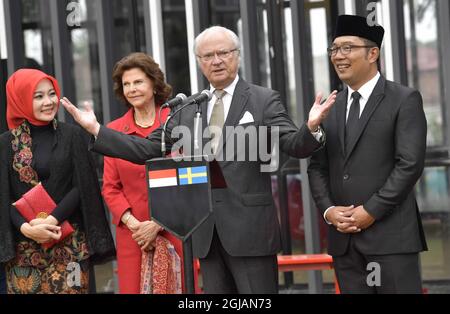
(352, 121)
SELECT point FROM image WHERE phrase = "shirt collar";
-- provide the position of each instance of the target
(229, 89)
(366, 90)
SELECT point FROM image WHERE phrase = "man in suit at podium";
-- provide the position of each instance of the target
(363, 181)
(238, 244)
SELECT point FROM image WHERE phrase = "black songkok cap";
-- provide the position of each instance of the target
(352, 25)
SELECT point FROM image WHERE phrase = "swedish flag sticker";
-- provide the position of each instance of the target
(195, 175)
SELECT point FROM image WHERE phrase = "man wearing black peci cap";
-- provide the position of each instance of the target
(363, 181)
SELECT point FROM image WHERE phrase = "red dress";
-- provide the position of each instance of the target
(124, 186)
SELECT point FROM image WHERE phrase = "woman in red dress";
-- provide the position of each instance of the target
(140, 84)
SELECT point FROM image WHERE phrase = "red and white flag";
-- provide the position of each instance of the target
(162, 178)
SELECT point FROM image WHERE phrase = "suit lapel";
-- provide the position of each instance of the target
(341, 109)
(372, 104)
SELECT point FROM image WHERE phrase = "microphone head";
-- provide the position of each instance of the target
(179, 99)
(182, 96)
(207, 93)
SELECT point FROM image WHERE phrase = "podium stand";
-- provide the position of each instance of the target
(180, 199)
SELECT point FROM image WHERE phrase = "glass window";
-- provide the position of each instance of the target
(319, 44)
(263, 42)
(225, 13)
(263, 49)
(129, 27)
(317, 29)
(424, 73)
(433, 200)
(37, 35)
(422, 41)
(139, 25)
(176, 45)
(289, 69)
(86, 70)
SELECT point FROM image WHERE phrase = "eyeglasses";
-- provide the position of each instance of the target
(345, 49)
(223, 54)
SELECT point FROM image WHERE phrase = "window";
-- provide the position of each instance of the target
(422, 40)
(176, 45)
(424, 73)
(37, 36)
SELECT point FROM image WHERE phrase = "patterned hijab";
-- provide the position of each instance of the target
(20, 89)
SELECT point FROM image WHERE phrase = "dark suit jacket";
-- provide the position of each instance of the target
(384, 163)
(244, 213)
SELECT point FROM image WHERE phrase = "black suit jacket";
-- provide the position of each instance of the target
(380, 170)
(243, 213)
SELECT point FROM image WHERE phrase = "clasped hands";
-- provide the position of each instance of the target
(42, 230)
(144, 233)
(350, 219)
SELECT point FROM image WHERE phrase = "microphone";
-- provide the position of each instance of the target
(205, 95)
(175, 101)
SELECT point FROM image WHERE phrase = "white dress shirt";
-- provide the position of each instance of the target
(366, 90)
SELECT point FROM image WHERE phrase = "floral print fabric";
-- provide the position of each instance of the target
(36, 270)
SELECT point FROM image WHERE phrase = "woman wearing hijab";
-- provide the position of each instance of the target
(38, 150)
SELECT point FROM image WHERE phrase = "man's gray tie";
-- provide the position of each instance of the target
(217, 120)
(352, 121)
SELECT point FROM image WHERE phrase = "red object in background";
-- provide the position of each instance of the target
(295, 210)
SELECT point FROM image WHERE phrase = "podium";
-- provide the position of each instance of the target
(180, 199)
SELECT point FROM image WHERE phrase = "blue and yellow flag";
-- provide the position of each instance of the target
(195, 175)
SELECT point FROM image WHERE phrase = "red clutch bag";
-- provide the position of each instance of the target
(36, 203)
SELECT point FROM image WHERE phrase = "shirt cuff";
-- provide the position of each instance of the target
(325, 215)
(318, 135)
